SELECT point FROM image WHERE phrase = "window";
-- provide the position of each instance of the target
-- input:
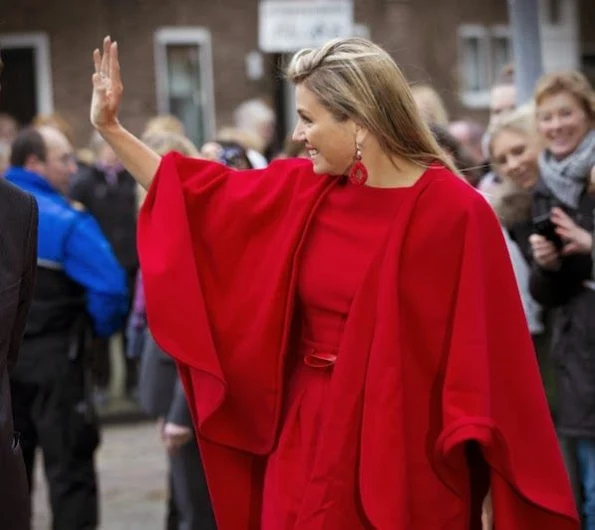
(500, 50)
(473, 57)
(483, 52)
(183, 66)
(27, 76)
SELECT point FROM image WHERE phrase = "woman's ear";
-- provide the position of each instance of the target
(361, 133)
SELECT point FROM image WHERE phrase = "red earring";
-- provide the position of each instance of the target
(358, 174)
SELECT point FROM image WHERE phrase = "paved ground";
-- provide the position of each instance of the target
(132, 466)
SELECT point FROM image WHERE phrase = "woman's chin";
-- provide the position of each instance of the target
(320, 167)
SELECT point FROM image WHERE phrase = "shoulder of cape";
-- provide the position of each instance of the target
(450, 193)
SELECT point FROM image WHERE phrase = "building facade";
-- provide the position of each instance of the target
(199, 59)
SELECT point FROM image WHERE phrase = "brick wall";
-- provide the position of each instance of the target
(421, 36)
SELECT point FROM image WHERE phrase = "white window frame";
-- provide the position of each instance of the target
(40, 43)
(186, 35)
(481, 98)
(499, 31)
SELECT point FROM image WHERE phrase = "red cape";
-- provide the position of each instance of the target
(435, 352)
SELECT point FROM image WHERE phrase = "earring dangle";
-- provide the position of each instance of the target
(358, 173)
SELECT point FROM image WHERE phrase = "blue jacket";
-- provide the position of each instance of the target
(70, 240)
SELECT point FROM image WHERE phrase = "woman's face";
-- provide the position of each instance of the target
(562, 122)
(330, 144)
(515, 157)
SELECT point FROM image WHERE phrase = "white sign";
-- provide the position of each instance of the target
(289, 25)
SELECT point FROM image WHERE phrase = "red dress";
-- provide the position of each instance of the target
(424, 363)
(349, 227)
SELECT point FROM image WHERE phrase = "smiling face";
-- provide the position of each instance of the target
(330, 143)
(515, 157)
(562, 123)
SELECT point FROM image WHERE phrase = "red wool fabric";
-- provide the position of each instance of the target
(434, 353)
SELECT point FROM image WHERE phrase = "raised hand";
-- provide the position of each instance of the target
(107, 86)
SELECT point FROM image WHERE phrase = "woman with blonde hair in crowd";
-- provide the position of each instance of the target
(563, 274)
(514, 147)
(333, 319)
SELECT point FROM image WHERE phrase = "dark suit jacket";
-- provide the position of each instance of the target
(160, 391)
(18, 256)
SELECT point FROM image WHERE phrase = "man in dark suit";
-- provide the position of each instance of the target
(18, 253)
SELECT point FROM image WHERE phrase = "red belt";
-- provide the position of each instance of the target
(316, 357)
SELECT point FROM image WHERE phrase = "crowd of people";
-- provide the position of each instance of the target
(534, 162)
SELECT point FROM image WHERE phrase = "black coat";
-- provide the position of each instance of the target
(114, 207)
(573, 334)
(18, 256)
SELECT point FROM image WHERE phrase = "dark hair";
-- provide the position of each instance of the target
(28, 142)
(233, 155)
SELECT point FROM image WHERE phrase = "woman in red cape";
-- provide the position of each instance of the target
(348, 328)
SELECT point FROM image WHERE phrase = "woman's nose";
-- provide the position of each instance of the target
(298, 133)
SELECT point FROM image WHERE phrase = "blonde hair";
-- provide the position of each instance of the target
(164, 123)
(574, 83)
(356, 79)
(162, 143)
(430, 105)
(520, 121)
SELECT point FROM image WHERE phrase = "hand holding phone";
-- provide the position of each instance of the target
(545, 227)
(544, 253)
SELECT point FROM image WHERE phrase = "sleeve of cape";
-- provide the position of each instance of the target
(492, 391)
(166, 251)
(192, 239)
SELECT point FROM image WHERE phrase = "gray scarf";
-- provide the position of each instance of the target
(566, 178)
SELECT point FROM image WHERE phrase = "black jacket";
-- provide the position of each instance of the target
(18, 255)
(573, 334)
(114, 207)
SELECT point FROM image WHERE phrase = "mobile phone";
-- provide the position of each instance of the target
(545, 227)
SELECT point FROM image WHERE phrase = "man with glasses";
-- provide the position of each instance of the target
(80, 289)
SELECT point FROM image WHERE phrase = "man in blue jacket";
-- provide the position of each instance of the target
(79, 285)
